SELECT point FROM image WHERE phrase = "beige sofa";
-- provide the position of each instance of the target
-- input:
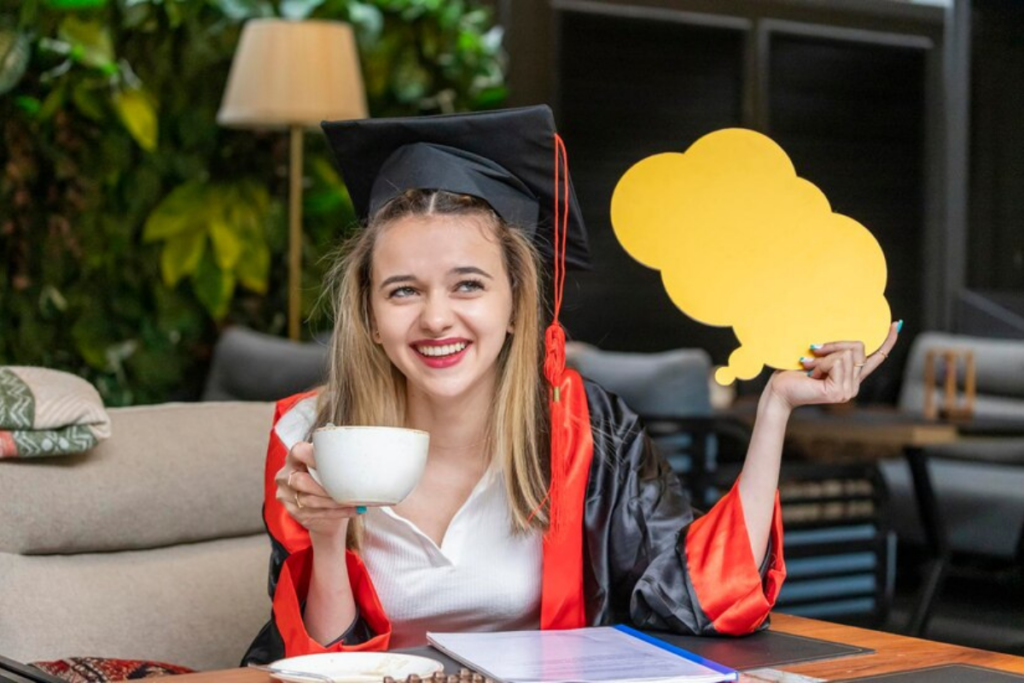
(151, 546)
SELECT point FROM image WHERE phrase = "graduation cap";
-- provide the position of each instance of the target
(504, 157)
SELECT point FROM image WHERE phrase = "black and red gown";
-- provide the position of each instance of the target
(626, 546)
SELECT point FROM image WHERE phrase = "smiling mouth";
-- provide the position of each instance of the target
(441, 351)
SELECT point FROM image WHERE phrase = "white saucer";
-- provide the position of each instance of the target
(357, 667)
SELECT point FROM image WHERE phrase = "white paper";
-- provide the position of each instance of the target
(602, 654)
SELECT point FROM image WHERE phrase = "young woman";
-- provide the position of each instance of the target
(543, 503)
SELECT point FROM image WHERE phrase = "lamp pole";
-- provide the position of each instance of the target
(295, 232)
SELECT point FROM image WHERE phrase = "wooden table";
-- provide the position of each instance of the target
(892, 653)
(886, 428)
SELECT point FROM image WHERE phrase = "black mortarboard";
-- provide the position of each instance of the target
(505, 157)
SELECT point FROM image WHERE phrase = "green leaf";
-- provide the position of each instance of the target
(213, 287)
(136, 14)
(255, 197)
(368, 20)
(92, 337)
(177, 316)
(253, 268)
(490, 97)
(227, 245)
(298, 9)
(247, 210)
(469, 41)
(137, 113)
(88, 101)
(90, 41)
(53, 102)
(30, 105)
(173, 13)
(142, 190)
(240, 10)
(15, 52)
(185, 208)
(181, 255)
(411, 80)
(328, 193)
(76, 4)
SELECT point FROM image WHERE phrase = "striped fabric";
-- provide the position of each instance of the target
(48, 412)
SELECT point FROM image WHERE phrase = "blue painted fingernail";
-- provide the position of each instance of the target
(816, 346)
(360, 509)
(804, 359)
(899, 326)
(810, 372)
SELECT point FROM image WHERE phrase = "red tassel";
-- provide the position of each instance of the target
(554, 358)
(554, 340)
(572, 447)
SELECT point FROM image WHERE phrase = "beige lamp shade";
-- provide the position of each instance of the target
(293, 73)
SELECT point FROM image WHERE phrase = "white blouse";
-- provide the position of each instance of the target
(481, 577)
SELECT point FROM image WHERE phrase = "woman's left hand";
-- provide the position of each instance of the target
(833, 375)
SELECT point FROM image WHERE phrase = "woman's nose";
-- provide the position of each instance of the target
(436, 315)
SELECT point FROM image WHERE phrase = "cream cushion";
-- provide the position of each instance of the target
(150, 546)
(173, 473)
(198, 605)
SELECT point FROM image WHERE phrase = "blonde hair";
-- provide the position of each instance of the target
(365, 388)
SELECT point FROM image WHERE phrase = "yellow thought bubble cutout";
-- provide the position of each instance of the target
(741, 241)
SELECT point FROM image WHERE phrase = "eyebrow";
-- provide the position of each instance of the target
(470, 270)
(396, 279)
(462, 270)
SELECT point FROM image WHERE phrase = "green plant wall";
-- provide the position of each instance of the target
(132, 227)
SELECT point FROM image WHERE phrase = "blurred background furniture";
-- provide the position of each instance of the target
(151, 546)
(977, 478)
(254, 366)
(840, 551)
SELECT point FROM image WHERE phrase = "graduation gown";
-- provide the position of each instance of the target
(626, 547)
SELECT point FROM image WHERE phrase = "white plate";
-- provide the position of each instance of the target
(357, 667)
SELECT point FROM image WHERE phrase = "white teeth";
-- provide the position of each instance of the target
(446, 350)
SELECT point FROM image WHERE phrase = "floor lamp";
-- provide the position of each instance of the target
(293, 75)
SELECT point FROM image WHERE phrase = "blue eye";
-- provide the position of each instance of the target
(469, 286)
(401, 292)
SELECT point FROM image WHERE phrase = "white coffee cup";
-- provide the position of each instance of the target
(369, 465)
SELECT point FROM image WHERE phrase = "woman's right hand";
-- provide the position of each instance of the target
(307, 502)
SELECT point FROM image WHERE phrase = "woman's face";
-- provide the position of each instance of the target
(441, 303)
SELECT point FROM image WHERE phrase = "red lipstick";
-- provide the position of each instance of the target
(439, 362)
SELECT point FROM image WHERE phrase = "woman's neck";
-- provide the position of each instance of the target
(457, 426)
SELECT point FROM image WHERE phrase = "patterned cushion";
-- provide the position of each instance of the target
(101, 670)
(48, 412)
